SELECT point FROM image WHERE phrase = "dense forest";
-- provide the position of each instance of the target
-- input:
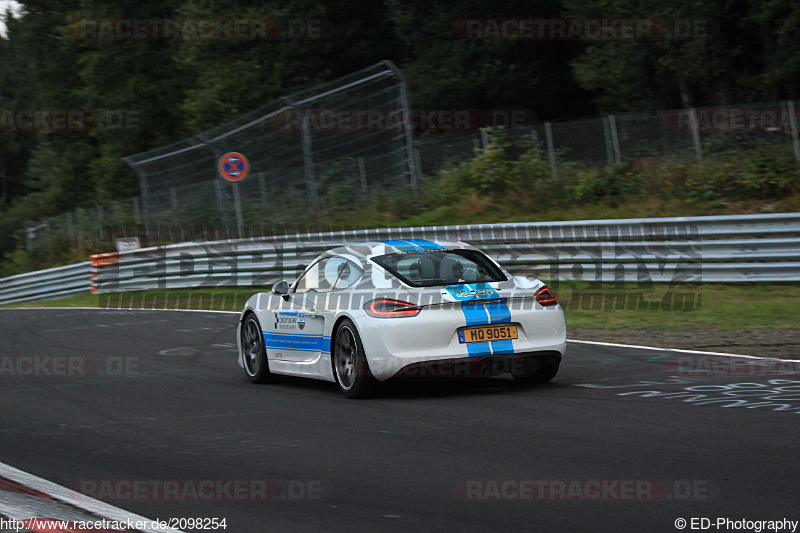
(704, 53)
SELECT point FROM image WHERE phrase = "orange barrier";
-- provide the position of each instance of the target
(99, 260)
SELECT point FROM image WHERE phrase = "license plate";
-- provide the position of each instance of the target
(487, 333)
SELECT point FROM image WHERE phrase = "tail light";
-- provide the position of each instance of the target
(545, 297)
(386, 308)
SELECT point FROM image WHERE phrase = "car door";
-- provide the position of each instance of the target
(300, 325)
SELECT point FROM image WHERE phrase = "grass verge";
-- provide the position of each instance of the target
(717, 305)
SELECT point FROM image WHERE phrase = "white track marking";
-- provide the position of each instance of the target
(679, 350)
(76, 499)
(616, 345)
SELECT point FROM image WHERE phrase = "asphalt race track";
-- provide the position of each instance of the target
(624, 439)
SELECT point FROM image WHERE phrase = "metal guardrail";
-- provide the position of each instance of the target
(45, 284)
(733, 249)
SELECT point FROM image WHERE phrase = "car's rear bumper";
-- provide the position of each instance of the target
(394, 344)
(522, 364)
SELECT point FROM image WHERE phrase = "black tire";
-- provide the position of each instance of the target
(254, 353)
(350, 367)
(541, 375)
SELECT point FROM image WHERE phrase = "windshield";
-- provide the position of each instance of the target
(440, 267)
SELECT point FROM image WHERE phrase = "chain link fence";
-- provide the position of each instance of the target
(346, 145)
(304, 155)
(692, 134)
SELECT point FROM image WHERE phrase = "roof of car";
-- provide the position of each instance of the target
(370, 249)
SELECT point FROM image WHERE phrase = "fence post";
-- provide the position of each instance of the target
(71, 238)
(144, 192)
(222, 195)
(535, 137)
(308, 168)
(137, 216)
(418, 159)
(223, 207)
(408, 134)
(144, 196)
(698, 147)
(793, 124)
(362, 174)
(262, 186)
(612, 124)
(551, 152)
(607, 139)
(237, 204)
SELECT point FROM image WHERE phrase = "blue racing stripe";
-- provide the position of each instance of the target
(403, 246)
(425, 245)
(479, 313)
(500, 313)
(476, 315)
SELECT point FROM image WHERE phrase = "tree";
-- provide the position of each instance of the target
(701, 58)
(446, 68)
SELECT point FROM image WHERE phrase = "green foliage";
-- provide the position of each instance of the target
(499, 180)
(499, 183)
(742, 176)
(166, 90)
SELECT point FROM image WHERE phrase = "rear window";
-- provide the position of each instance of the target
(440, 267)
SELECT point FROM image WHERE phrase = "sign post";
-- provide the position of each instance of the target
(235, 167)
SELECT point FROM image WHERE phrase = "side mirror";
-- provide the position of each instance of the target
(281, 288)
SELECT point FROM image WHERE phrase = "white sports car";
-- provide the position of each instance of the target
(364, 313)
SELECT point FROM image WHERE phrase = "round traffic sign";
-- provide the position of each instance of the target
(233, 166)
